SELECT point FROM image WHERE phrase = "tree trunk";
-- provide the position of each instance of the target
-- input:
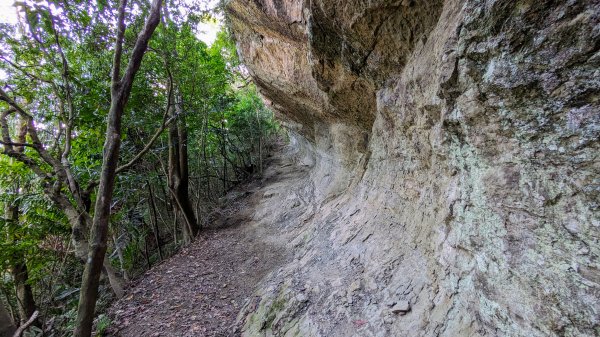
(224, 154)
(121, 88)
(24, 294)
(179, 176)
(117, 283)
(7, 326)
(119, 252)
(79, 227)
(154, 220)
(26, 303)
(205, 155)
(165, 195)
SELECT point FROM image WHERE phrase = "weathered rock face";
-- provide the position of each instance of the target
(455, 183)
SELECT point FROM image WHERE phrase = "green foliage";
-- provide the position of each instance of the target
(228, 128)
(102, 324)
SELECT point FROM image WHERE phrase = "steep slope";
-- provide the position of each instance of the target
(455, 176)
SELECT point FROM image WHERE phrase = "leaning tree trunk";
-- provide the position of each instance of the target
(120, 90)
(7, 326)
(179, 177)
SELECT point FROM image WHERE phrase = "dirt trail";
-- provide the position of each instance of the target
(200, 290)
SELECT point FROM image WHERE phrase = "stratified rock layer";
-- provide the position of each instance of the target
(455, 182)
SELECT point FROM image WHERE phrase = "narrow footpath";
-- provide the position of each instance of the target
(200, 290)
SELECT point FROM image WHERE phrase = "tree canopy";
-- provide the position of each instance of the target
(120, 131)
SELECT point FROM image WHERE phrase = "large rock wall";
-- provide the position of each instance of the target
(455, 185)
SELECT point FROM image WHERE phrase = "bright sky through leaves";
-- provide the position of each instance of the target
(207, 31)
(7, 12)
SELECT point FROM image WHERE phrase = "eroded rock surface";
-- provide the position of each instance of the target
(455, 181)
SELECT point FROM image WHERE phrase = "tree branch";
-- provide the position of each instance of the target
(22, 70)
(71, 114)
(7, 142)
(141, 44)
(4, 97)
(165, 122)
(35, 36)
(11, 152)
(16, 144)
(148, 145)
(59, 170)
(116, 70)
(32, 131)
(25, 325)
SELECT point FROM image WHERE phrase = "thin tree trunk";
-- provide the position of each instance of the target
(161, 185)
(198, 196)
(179, 176)
(121, 88)
(146, 254)
(224, 154)
(116, 282)
(119, 252)
(154, 220)
(204, 154)
(175, 231)
(184, 195)
(24, 294)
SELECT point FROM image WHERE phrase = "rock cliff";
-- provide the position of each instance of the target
(453, 146)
